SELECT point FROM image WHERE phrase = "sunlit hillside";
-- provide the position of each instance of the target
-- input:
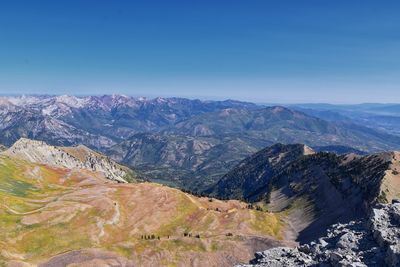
(51, 216)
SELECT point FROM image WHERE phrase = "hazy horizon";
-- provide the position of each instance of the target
(292, 52)
(203, 99)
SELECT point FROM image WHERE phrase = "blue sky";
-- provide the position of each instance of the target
(265, 51)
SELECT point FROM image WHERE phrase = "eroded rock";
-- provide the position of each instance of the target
(373, 242)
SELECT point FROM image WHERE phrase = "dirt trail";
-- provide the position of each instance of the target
(113, 221)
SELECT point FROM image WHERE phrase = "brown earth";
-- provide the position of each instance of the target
(63, 217)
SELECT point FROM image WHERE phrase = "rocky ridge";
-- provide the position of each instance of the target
(315, 190)
(374, 241)
(79, 157)
(250, 178)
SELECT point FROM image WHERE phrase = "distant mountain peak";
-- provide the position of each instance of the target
(278, 109)
(308, 150)
(71, 101)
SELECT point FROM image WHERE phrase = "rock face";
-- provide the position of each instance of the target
(374, 241)
(384, 223)
(250, 178)
(79, 157)
(315, 190)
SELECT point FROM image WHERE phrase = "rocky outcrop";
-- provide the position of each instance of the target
(374, 241)
(384, 223)
(315, 190)
(249, 180)
(79, 157)
(2, 148)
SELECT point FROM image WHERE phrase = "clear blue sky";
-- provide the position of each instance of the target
(337, 51)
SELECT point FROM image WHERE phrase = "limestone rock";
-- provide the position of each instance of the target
(374, 242)
(79, 157)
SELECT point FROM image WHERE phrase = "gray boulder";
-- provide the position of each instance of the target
(373, 242)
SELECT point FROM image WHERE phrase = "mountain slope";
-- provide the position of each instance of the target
(373, 241)
(179, 142)
(190, 162)
(376, 116)
(249, 178)
(79, 157)
(321, 189)
(195, 153)
(315, 190)
(29, 123)
(340, 150)
(239, 120)
(58, 216)
(103, 121)
(279, 124)
(95, 121)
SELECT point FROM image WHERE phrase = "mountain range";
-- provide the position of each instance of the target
(384, 117)
(180, 142)
(95, 121)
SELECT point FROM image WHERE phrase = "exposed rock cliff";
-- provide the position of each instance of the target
(371, 242)
(79, 157)
(315, 190)
(250, 178)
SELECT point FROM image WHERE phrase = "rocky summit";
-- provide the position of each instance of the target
(371, 242)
